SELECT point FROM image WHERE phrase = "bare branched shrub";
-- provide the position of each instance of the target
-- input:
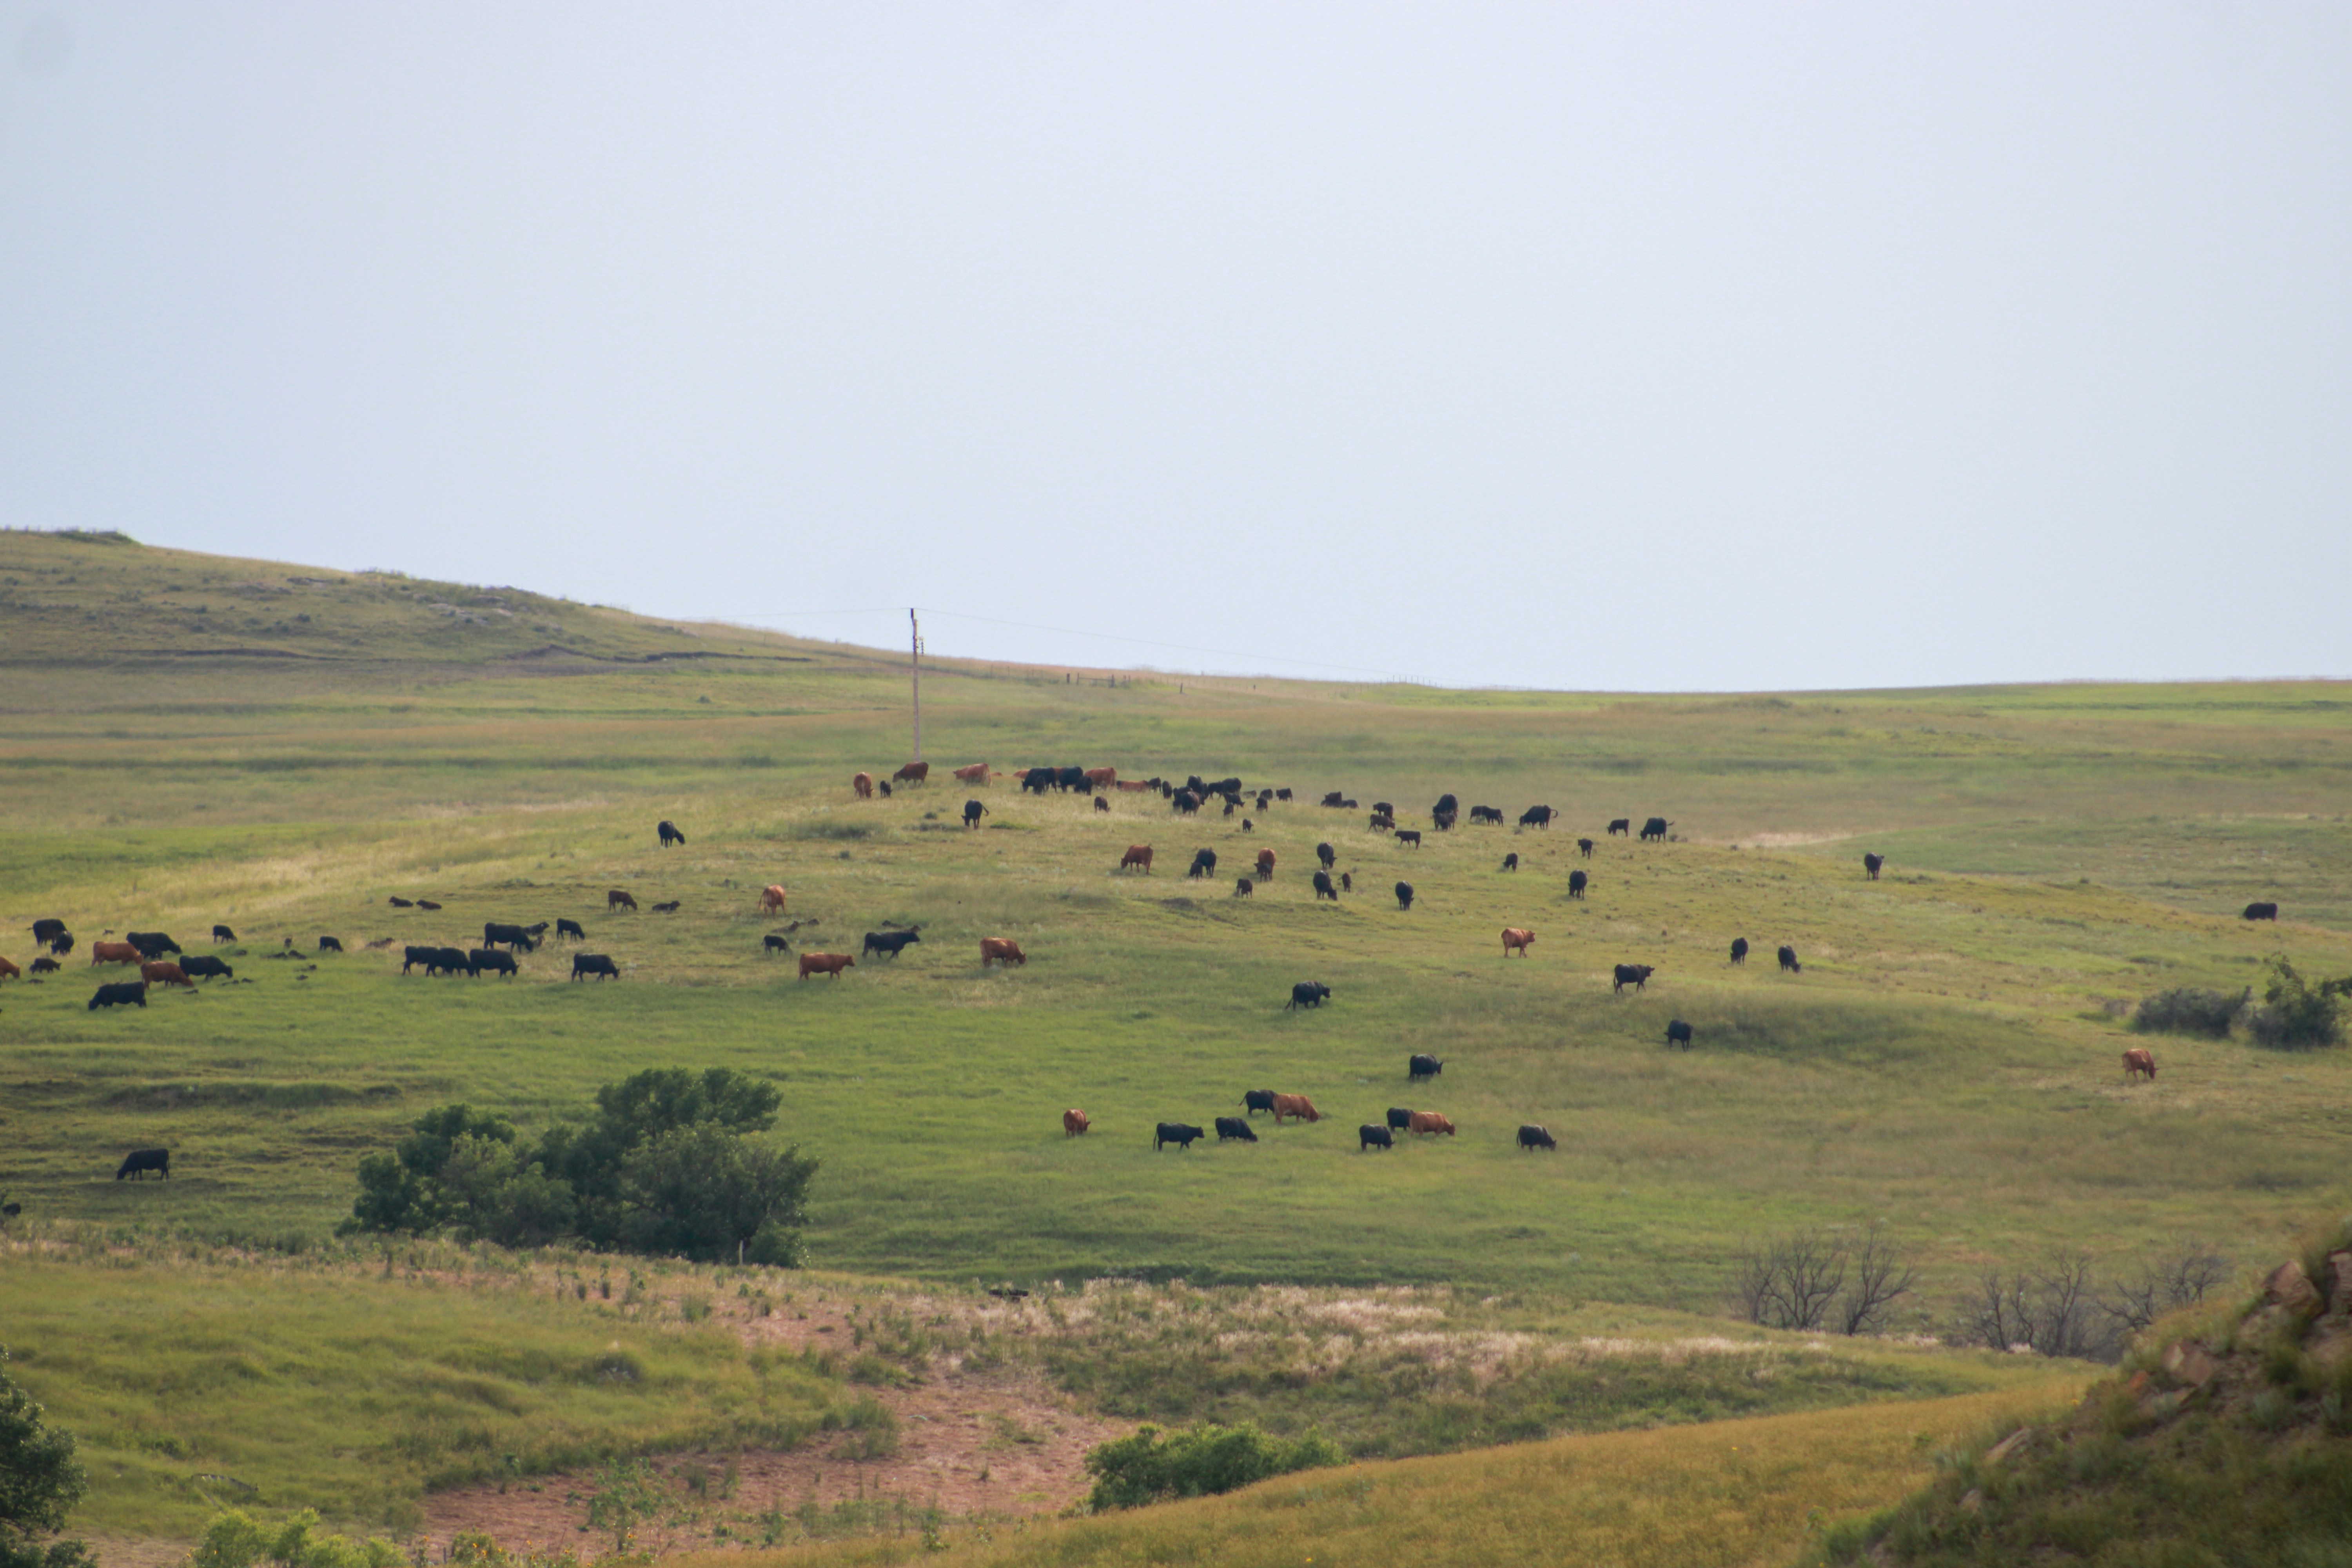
(2059, 1309)
(1801, 1281)
(1881, 1276)
(2164, 1285)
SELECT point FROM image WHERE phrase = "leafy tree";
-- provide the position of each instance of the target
(237, 1540)
(40, 1481)
(637, 1109)
(1151, 1467)
(701, 1192)
(2296, 1013)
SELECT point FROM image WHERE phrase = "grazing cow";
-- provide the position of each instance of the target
(1511, 861)
(128, 993)
(885, 787)
(1248, 825)
(976, 774)
(1620, 825)
(163, 972)
(1637, 975)
(62, 943)
(151, 943)
(1256, 1100)
(889, 944)
(222, 933)
(973, 811)
(1429, 1121)
(451, 961)
(771, 900)
(1265, 865)
(1137, 855)
(1518, 938)
(1101, 804)
(10, 972)
(1185, 801)
(1404, 895)
(569, 928)
(48, 931)
(1234, 1127)
(139, 1162)
(206, 968)
(1409, 836)
(1870, 865)
(1370, 1137)
(1001, 950)
(1295, 1106)
(1447, 806)
(1323, 888)
(1333, 798)
(102, 952)
(862, 785)
(911, 772)
(829, 964)
(2138, 1060)
(1137, 786)
(1399, 1118)
(617, 899)
(397, 902)
(1788, 961)
(1577, 883)
(2265, 911)
(1584, 848)
(1074, 1122)
(1176, 1133)
(1678, 1033)
(1037, 781)
(1533, 1136)
(669, 832)
(1204, 862)
(1381, 822)
(1102, 778)
(1327, 855)
(772, 943)
(51, 966)
(483, 958)
(596, 963)
(1538, 816)
(1346, 882)
(331, 944)
(500, 933)
(1307, 993)
(1738, 950)
(410, 957)
(1075, 778)
(1422, 1066)
(1493, 813)
(1243, 887)
(1656, 827)
(429, 904)
(1282, 795)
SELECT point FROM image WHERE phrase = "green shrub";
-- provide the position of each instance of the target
(1204, 1459)
(40, 1481)
(237, 1540)
(2296, 1014)
(2189, 1010)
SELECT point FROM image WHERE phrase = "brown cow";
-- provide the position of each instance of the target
(1427, 1121)
(1517, 940)
(862, 785)
(1137, 855)
(976, 774)
(1074, 1122)
(771, 899)
(1134, 786)
(912, 773)
(1102, 778)
(114, 952)
(831, 964)
(164, 973)
(1265, 863)
(9, 971)
(1002, 949)
(1297, 1105)
(2138, 1060)
(617, 899)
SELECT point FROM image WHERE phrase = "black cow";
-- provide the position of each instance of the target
(1511, 861)
(1326, 854)
(596, 963)
(1446, 806)
(1422, 1066)
(1738, 950)
(1307, 993)
(1370, 1137)
(1204, 861)
(1243, 887)
(1577, 883)
(1234, 1127)
(222, 933)
(410, 957)
(496, 934)
(397, 902)
(120, 993)
(152, 944)
(1537, 816)
(62, 943)
(44, 966)
(1584, 848)
(1176, 1133)
(1404, 895)
(1282, 795)
(1248, 825)
(451, 961)
(776, 943)
(1333, 798)
(889, 944)
(1257, 1100)
(884, 786)
(1408, 835)
(483, 958)
(1399, 1118)
(1346, 882)
(1656, 827)
(206, 967)
(1534, 1137)
(1038, 780)
(1186, 801)
(668, 907)
(569, 928)
(1620, 825)
(1493, 813)
(1384, 808)
(427, 904)
(1637, 975)
(1075, 778)
(48, 931)
(1870, 865)
(139, 1162)
(330, 944)
(1227, 786)
(669, 832)
(1788, 961)
(2264, 912)
(973, 811)
(1678, 1033)
(1323, 888)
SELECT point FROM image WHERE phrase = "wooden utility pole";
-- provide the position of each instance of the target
(915, 631)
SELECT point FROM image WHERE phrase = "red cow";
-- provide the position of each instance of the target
(1517, 940)
(1137, 855)
(1427, 1121)
(912, 773)
(1102, 778)
(9, 971)
(771, 899)
(1132, 788)
(1074, 1122)
(1002, 949)
(1265, 863)
(617, 899)
(1297, 1105)
(862, 785)
(2138, 1060)
(162, 972)
(114, 952)
(976, 774)
(831, 964)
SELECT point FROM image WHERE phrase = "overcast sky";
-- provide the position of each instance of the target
(1635, 346)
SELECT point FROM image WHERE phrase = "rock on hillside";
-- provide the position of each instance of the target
(2221, 1440)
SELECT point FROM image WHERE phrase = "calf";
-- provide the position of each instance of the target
(1678, 1033)
(669, 832)
(1577, 883)
(1176, 1133)
(1518, 938)
(44, 966)
(161, 972)
(862, 785)
(1256, 1100)
(120, 993)
(617, 899)
(1620, 825)
(1248, 825)
(1404, 895)
(973, 811)
(2265, 911)
(1584, 848)
(1408, 835)
(1788, 961)
(1234, 1127)
(1428, 1121)
(483, 958)
(139, 1162)
(1323, 888)
(596, 963)
(1370, 1137)
(1538, 816)
(1308, 993)
(1001, 950)
(1295, 1106)
(1422, 1066)
(48, 931)
(1346, 883)
(889, 944)
(1204, 861)
(827, 963)
(1637, 975)
(1493, 813)
(668, 907)
(429, 904)
(2138, 1060)
(1243, 887)
(1137, 855)
(222, 933)
(206, 968)
(1399, 1118)
(771, 899)
(1738, 950)
(774, 944)
(1870, 865)
(1103, 804)
(397, 902)
(1511, 861)
(1074, 1122)
(569, 928)
(1532, 1136)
